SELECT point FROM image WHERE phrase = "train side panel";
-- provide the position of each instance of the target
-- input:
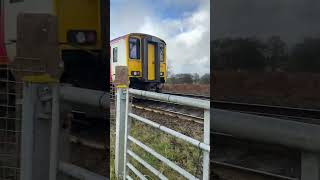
(118, 55)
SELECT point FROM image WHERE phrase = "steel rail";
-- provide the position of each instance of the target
(258, 108)
(240, 109)
(268, 109)
(179, 115)
(187, 95)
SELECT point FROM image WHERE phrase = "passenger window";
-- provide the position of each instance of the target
(134, 48)
(115, 54)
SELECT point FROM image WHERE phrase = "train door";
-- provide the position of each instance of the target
(151, 61)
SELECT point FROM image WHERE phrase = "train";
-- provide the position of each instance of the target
(145, 57)
(82, 28)
(83, 44)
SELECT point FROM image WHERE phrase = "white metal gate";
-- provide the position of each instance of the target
(42, 133)
(123, 137)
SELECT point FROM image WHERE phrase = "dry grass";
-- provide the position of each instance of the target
(200, 89)
(299, 89)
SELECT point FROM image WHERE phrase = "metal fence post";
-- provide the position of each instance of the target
(120, 132)
(28, 108)
(206, 140)
(127, 130)
(121, 82)
(54, 136)
(40, 128)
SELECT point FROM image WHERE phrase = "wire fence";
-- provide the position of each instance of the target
(112, 103)
(10, 123)
(11, 112)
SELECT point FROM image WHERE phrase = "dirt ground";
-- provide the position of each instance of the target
(199, 89)
(287, 89)
(218, 173)
(95, 160)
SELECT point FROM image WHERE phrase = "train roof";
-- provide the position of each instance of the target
(138, 34)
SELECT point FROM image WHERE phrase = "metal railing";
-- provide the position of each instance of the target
(123, 137)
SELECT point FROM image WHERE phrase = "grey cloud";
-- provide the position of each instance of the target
(181, 57)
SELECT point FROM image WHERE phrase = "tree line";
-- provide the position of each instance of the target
(273, 54)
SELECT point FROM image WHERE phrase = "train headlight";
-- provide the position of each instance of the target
(135, 73)
(80, 37)
(86, 37)
(161, 73)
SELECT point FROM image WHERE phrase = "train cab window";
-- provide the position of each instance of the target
(115, 54)
(134, 48)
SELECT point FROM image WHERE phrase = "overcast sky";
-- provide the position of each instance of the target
(183, 24)
(292, 20)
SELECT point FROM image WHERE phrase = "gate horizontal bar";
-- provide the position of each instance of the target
(85, 96)
(78, 172)
(293, 134)
(136, 172)
(129, 178)
(203, 104)
(163, 159)
(146, 165)
(174, 133)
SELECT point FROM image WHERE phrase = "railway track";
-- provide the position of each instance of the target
(269, 110)
(188, 95)
(261, 108)
(240, 159)
(311, 116)
(169, 109)
(290, 113)
(179, 115)
(251, 171)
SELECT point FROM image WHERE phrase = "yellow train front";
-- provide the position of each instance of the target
(82, 27)
(145, 57)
